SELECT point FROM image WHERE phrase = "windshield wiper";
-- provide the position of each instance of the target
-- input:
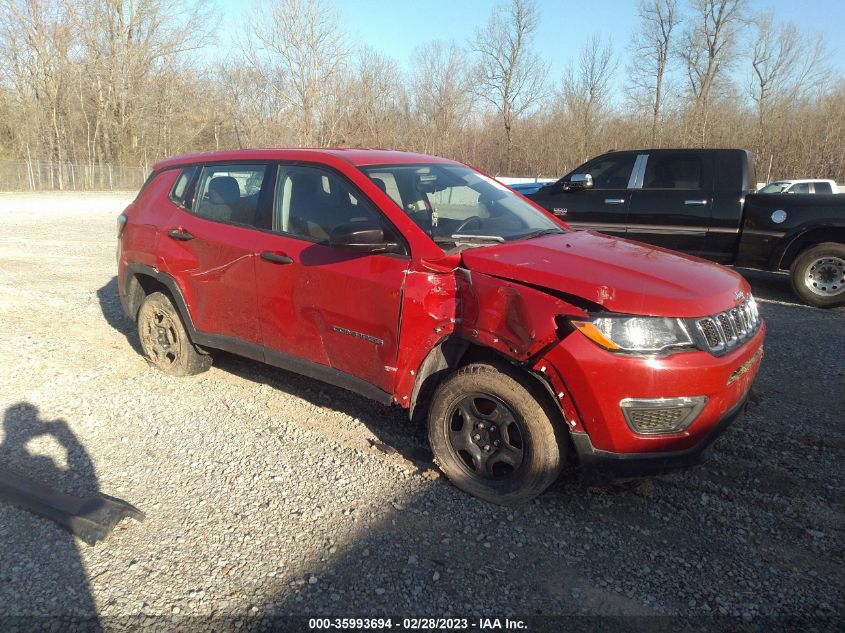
(458, 237)
(540, 233)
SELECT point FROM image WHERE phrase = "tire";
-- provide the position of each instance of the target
(818, 275)
(164, 340)
(512, 411)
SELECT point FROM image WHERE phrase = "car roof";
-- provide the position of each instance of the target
(353, 156)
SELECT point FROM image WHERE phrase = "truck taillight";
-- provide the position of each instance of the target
(121, 223)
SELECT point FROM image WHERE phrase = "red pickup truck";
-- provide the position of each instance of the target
(418, 281)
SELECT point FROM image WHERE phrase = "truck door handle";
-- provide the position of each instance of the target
(695, 203)
(276, 258)
(614, 200)
(180, 234)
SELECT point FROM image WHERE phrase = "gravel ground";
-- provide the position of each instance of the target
(268, 493)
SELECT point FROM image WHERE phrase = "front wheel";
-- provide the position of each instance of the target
(492, 433)
(818, 275)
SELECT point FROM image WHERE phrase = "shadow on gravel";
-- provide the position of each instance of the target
(38, 559)
(114, 316)
(389, 424)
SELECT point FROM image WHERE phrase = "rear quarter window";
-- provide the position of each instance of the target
(181, 192)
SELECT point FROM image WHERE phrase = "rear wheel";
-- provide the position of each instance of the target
(165, 341)
(818, 275)
(492, 434)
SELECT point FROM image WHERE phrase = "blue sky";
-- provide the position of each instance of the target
(397, 27)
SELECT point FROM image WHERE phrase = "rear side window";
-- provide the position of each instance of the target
(180, 194)
(673, 172)
(823, 187)
(233, 193)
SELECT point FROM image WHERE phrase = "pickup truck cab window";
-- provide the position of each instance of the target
(673, 172)
(602, 207)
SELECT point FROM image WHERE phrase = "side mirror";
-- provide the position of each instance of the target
(580, 181)
(362, 237)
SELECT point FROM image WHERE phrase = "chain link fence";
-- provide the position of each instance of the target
(42, 175)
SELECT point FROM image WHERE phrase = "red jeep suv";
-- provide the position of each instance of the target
(418, 281)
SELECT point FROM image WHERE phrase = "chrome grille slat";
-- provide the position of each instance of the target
(727, 330)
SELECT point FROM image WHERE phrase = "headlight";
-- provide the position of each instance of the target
(636, 334)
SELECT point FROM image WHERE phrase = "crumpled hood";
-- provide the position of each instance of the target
(619, 275)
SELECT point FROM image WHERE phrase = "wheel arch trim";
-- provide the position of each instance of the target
(132, 270)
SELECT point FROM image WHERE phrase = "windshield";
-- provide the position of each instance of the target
(456, 205)
(775, 187)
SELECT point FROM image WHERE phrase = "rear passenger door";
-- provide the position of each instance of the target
(674, 206)
(209, 245)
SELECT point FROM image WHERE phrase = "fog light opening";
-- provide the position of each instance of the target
(657, 416)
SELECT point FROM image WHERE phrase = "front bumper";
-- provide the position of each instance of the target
(592, 458)
(591, 382)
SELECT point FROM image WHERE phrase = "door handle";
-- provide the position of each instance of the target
(276, 258)
(695, 203)
(614, 200)
(180, 234)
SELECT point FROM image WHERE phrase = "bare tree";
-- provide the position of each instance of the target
(441, 99)
(300, 49)
(125, 45)
(510, 76)
(36, 39)
(709, 49)
(651, 47)
(786, 64)
(585, 90)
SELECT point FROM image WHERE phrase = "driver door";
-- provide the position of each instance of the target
(604, 207)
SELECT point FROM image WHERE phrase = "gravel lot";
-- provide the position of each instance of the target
(268, 493)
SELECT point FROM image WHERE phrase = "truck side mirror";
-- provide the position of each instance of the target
(580, 181)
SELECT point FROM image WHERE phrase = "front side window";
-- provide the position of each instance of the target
(673, 172)
(610, 172)
(454, 204)
(774, 187)
(800, 187)
(312, 202)
(232, 193)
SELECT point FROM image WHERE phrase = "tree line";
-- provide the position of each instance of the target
(127, 82)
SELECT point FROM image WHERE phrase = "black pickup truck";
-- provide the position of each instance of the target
(702, 202)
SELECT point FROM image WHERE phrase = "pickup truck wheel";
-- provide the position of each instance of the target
(492, 434)
(165, 341)
(818, 275)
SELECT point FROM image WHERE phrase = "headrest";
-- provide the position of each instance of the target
(223, 190)
(380, 184)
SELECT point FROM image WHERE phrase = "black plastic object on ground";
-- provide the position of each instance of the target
(91, 519)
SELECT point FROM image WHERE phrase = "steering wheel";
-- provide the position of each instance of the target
(466, 223)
